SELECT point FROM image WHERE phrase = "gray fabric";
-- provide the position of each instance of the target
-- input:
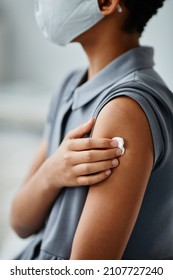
(129, 75)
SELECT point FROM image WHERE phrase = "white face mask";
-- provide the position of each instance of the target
(61, 21)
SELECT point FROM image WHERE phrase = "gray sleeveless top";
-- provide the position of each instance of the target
(131, 75)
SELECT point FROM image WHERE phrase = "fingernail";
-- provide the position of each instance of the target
(114, 143)
(115, 162)
(107, 172)
(118, 152)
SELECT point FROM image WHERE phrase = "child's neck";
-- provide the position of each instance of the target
(101, 52)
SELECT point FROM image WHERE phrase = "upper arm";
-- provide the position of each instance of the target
(112, 206)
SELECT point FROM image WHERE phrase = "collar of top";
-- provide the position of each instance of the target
(135, 59)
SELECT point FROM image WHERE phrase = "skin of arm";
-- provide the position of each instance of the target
(112, 206)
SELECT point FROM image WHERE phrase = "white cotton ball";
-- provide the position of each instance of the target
(120, 142)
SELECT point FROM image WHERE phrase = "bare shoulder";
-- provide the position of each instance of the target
(112, 206)
(123, 115)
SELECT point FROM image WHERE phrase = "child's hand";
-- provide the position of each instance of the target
(82, 161)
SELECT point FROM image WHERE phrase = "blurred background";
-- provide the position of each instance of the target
(30, 71)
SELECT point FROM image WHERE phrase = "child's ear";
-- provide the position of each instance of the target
(108, 7)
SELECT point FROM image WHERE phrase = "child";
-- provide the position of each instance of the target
(74, 199)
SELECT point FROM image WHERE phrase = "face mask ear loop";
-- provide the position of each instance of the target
(119, 9)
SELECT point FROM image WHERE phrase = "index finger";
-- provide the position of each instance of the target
(92, 143)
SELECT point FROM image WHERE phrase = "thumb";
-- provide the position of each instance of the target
(81, 130)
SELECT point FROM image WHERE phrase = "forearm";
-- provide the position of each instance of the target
(33, 203)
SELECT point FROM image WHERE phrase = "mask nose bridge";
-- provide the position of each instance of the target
(61, 21)
(66, 19)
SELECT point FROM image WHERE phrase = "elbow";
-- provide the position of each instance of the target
(16, 225)
(18, 229)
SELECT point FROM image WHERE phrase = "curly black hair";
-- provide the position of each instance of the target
(140, 11)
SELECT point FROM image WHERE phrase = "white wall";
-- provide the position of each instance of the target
(30, 57)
